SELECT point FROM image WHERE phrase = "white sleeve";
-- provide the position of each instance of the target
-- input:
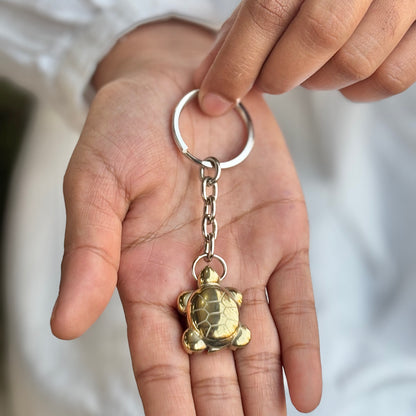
(52, 48)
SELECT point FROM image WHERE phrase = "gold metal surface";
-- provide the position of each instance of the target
(212, 313)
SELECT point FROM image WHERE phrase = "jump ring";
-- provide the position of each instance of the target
(180, 142)
(215, 165)
(215, 256)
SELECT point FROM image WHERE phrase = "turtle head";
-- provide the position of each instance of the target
(208, 276)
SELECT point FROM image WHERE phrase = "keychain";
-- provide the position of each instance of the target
(212, 311)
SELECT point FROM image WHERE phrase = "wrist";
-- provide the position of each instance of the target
(156, 47)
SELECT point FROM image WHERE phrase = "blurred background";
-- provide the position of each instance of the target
(15, 110)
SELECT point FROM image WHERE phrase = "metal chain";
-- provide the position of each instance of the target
(209, 193)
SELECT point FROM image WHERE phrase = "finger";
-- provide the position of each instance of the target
(394, 76)
(160, 365)
(257, 26)
(317, 32)
(148, 286)
(258, 365)
(215, 384)
(292, 306)
(95, 206)
(375, 38)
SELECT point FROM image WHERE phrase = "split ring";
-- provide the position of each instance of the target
(180, 142)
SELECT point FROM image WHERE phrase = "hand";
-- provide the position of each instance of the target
(133, 220)
(365, 48)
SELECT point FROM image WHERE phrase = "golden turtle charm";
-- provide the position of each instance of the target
(213, 316)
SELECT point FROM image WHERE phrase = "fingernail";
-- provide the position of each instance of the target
(214, 104)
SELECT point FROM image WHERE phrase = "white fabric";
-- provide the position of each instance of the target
(357, 168)
(52, 48)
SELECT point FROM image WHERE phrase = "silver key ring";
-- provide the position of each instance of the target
(180, 142)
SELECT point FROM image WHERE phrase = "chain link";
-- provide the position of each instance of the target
(209, 193)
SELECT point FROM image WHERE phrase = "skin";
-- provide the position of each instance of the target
(364, 48)
(133, 222)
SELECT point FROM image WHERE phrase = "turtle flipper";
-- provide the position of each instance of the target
(237, 296)
(192, 341)
(183, 301)
(242, 337)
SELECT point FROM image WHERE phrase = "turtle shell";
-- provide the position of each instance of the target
(214, 313)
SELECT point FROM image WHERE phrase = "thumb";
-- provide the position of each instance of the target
(95, 209)
(231, 68)
(207, 62)
(213, 103)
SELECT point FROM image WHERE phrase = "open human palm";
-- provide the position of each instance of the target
(134, 216)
